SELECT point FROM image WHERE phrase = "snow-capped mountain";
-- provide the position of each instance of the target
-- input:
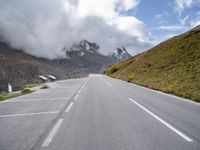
(86, 45)
(121, 53)
(82, 48)
(81, 59)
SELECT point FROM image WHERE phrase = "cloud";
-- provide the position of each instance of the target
(195, 22)
(182, 4)
(183, 21)
(44, 27)
(159, 16)
(172, 28)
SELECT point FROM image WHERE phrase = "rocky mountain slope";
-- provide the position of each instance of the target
(172, 66)
(18, 68)
(83, 58)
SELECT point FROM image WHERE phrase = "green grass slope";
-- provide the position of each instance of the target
(172, 66)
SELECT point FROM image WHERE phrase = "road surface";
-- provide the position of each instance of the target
(99, 113)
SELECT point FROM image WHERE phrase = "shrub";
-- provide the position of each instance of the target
(130, 78)
(26, 91)
(114, 69)
(30, 85)
(1, 97)
(44, 87)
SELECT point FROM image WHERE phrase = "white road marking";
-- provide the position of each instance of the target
(29, 114)
(52, 133)
(109, 84)
(163, 122)
(76, 97)
(31, 100)
(69, 107)
(83, 86)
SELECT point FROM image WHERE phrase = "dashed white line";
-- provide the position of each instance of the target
(31, 100)
(69, 107)
(163, 122)
(76, 97)
(52, 133)
(109, 84)
(29, 114)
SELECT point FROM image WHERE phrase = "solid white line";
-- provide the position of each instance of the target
(69, 107)
(29, 114)
(37, 99)
(75, 98)
(52, 133)
(163, 122)
(109, 84)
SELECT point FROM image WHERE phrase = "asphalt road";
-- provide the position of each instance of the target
(99, 113)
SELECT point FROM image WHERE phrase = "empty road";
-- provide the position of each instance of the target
(99, 113)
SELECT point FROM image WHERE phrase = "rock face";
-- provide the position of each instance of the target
(83, 58)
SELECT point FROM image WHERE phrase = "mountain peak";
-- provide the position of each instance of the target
(121, 53)
(86, 45)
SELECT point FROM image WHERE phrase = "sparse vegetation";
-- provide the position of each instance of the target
(26, 91)
(8, 96)
(172, 66)
(5, 96)
(114, 69)
(30, 85)
(130, 78)
(44, 87)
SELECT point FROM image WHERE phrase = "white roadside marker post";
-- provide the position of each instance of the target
(9, 88)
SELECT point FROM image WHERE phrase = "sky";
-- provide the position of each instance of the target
(44, 27)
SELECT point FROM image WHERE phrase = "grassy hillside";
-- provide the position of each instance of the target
(172, 66)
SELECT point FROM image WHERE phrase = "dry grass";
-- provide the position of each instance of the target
(172, 66)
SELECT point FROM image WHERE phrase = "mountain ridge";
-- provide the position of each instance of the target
(19, 68)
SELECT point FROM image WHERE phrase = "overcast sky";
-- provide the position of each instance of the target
(44, 27)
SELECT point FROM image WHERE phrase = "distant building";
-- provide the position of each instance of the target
(43, 78)
(51, 78)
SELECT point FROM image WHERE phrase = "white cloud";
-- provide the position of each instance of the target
(103, 8)
(182, 4)
(172, 28)
(184, 20)
(159, 16)
(131, 26)
(164, 38)
(128, 4)
(44, 27)
(195, 22)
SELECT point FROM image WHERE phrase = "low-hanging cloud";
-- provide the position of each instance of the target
(44, 27)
